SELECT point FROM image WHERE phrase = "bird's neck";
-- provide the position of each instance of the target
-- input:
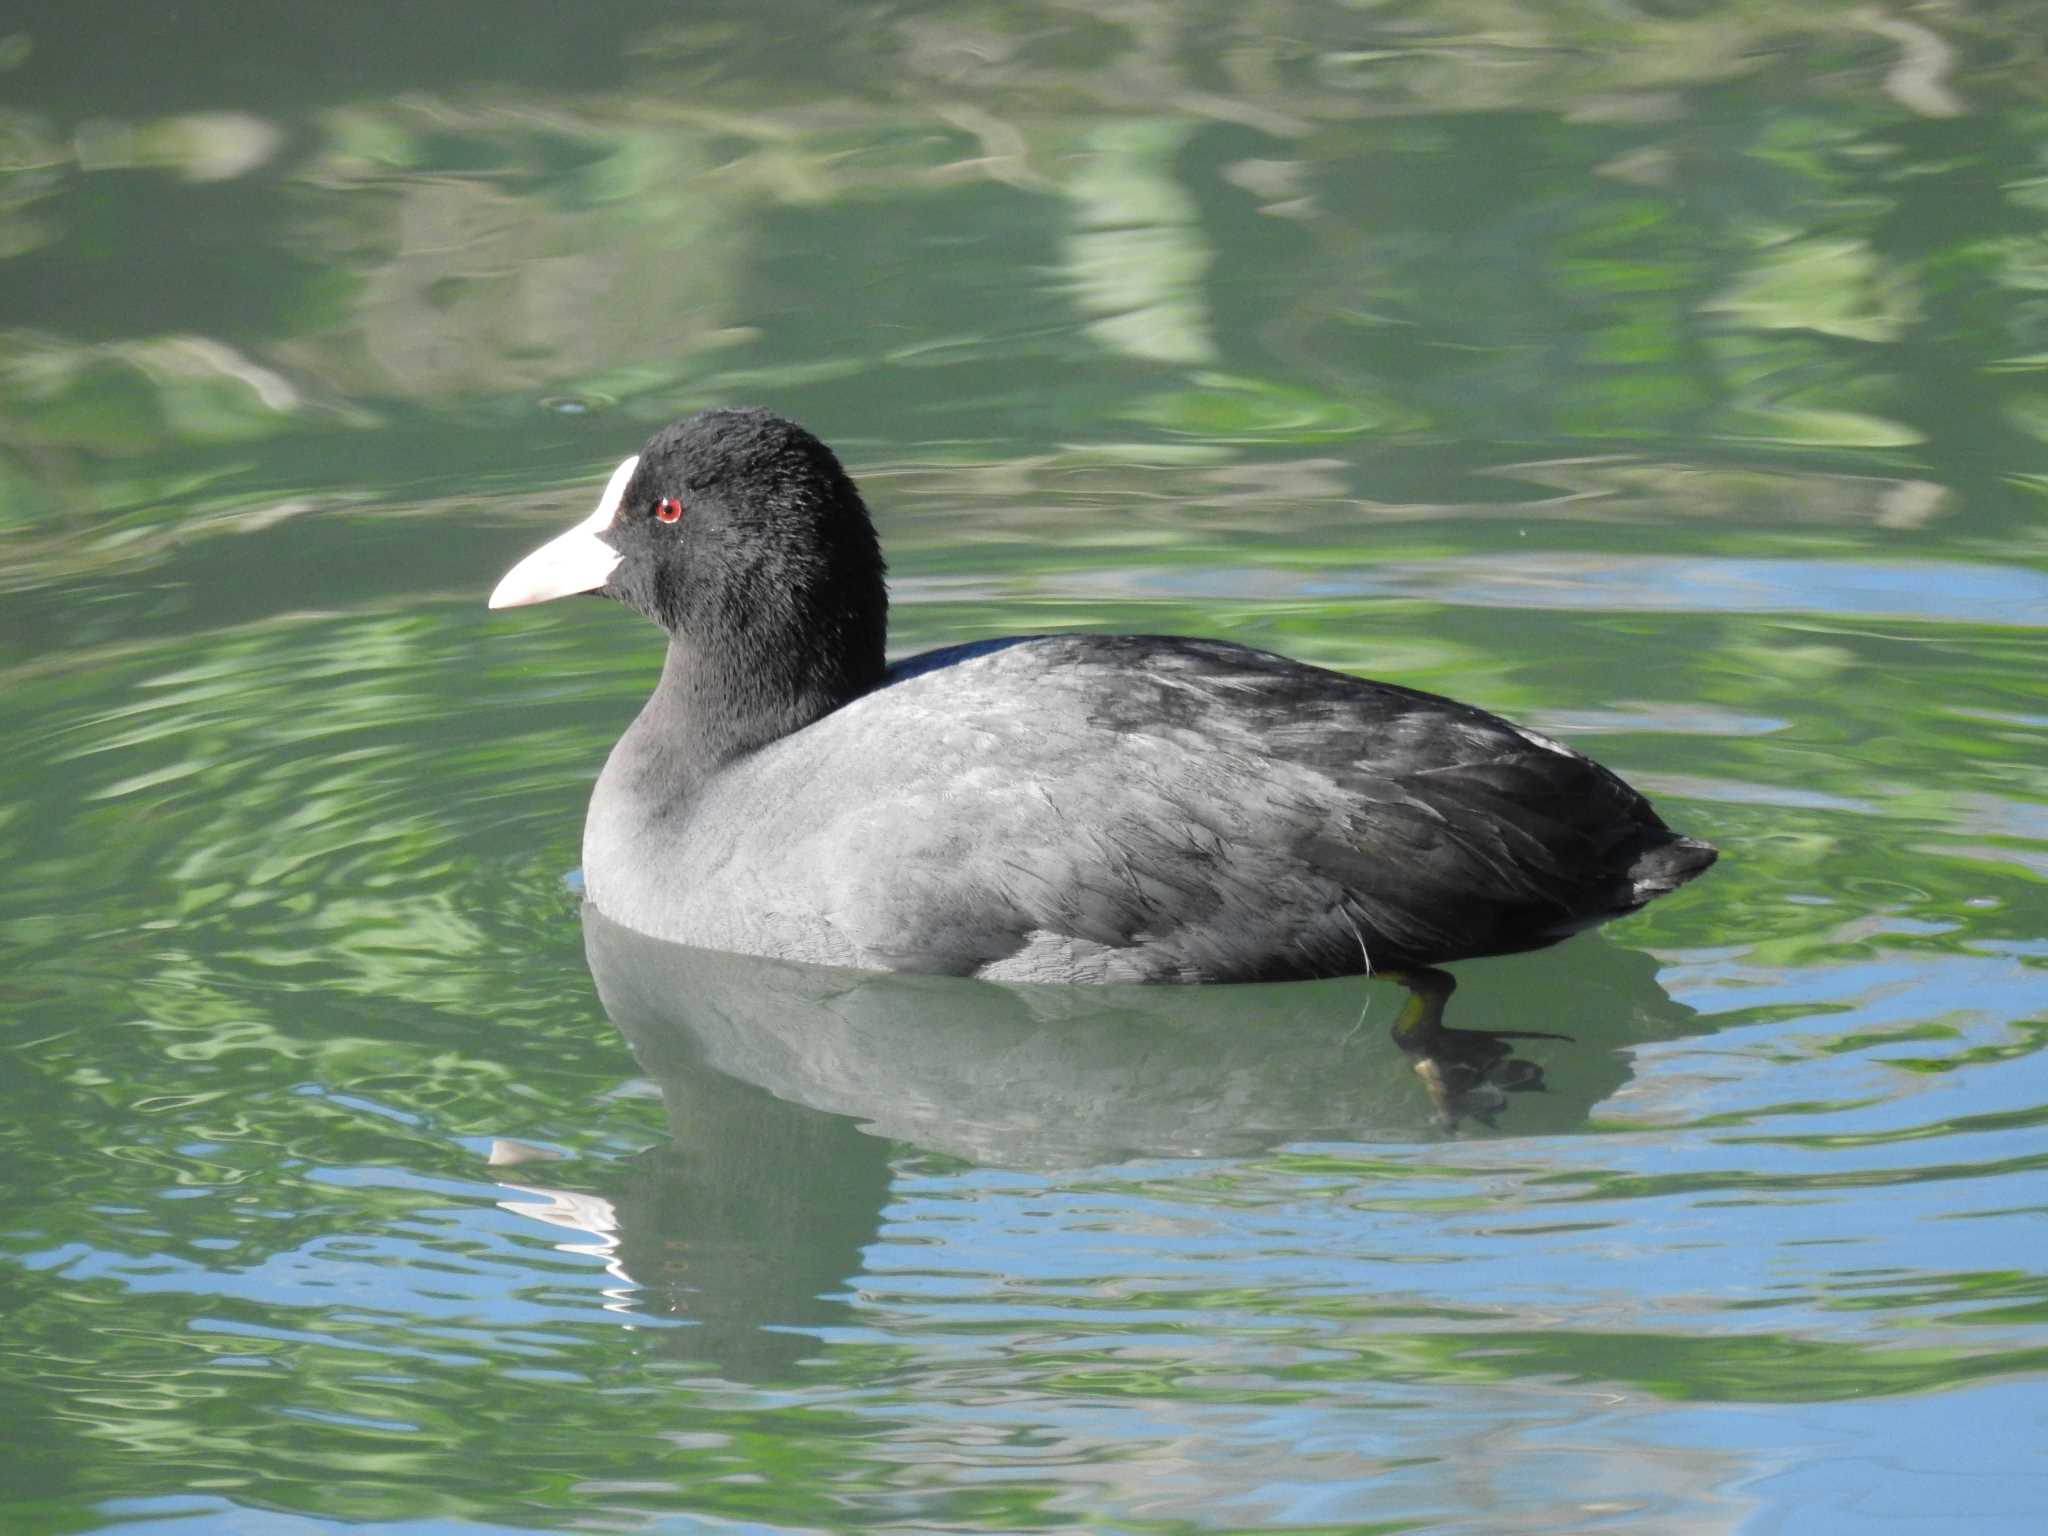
(715, 704)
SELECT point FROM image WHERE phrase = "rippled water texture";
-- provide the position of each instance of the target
(1669, 375)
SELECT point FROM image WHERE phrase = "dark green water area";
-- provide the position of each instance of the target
(1671, 375)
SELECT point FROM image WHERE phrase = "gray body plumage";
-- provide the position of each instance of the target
(1126, 808)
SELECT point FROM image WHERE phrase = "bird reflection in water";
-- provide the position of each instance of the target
(794, 1094)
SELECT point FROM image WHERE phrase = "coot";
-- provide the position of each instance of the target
(1069, 808)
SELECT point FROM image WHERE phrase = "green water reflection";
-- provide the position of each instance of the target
(1665, 374)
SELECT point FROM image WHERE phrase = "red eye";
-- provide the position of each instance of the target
(668, 509)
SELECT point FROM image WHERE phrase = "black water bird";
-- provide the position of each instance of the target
(1049, 808)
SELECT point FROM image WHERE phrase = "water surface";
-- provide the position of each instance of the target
(1666, 375)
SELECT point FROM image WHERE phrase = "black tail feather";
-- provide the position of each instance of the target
(1667, 865)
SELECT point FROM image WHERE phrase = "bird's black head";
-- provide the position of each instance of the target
(741, 520)
(739, 533)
